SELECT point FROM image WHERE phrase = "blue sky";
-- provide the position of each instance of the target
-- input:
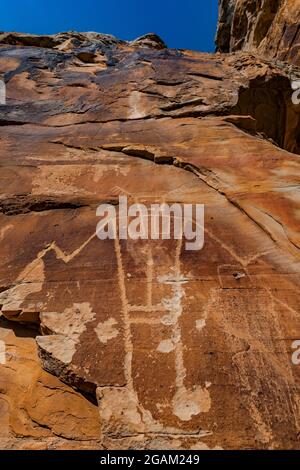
(189, 24)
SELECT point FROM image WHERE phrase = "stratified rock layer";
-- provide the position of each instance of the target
(180, 349)
(270, 27)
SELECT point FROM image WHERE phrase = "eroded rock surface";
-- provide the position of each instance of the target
(272, 27)
(37, 411)
(180, 349)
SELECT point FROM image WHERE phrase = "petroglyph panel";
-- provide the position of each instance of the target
(169, 348)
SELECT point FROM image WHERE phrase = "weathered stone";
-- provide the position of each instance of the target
(180, 349)
(270, 27)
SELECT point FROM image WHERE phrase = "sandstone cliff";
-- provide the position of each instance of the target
(142, 344)
(269, 27)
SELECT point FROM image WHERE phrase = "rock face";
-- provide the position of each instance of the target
(141, 343)
(37, 410)
(270, 27)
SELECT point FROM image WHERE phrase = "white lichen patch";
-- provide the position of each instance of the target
(136, 109)
(166, 346)
(71, 322)
(106, 330)
(68, 326)
(200, 324)
(189, 403)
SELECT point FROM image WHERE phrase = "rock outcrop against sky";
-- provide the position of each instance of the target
(140, 343)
